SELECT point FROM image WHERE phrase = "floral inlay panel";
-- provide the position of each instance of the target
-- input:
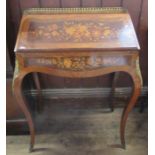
(79, 63)
(73, 31)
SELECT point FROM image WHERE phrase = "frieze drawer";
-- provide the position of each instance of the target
(79, 63)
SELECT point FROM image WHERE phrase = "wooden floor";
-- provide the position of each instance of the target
(75, 129)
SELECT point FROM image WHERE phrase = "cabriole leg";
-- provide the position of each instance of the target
(17, 89)
(137, 81)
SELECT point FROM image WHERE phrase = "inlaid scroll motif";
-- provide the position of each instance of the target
(79, 63)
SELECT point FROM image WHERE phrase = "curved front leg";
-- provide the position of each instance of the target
(137, 81)
(17, 89)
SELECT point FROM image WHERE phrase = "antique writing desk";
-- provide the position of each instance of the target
(76, 43)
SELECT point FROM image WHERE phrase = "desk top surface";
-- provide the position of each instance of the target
(76, 29)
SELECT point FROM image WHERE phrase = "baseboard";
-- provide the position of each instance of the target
(16, 127)
(83, 92)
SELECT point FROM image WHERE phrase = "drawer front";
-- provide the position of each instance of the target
(79, 63)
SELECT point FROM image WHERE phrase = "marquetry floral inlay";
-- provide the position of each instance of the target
(79, 63)
(71, 31)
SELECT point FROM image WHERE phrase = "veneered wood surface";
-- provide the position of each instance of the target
(105, 31)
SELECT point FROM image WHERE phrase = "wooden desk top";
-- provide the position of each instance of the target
(76, 29)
